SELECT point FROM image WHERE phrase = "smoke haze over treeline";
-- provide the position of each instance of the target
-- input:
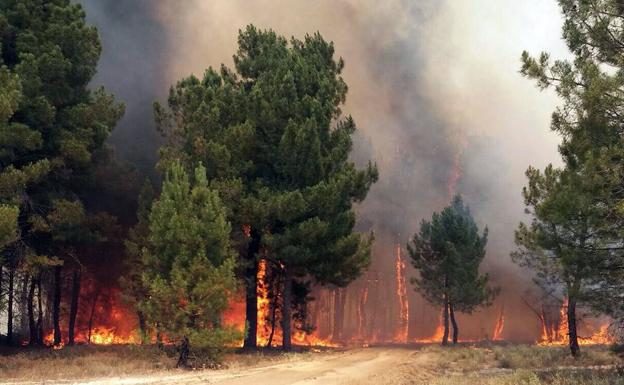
(434, 88)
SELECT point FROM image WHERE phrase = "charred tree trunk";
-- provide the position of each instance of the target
(287, 310)
(73, 310)
(573, 337)
(142, 325)
(274, 306)
(56, 306)
(23, 302)
(446, 322)
(454, 323)
(251, 291)
(32, 326)
(39, 311)
(184, 353)
(9, 339)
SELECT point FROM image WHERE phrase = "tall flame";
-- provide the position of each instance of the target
(402, 330)
(500, 325)
(558, 334)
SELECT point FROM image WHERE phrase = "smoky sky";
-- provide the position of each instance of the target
(132, 67)
(434, 88)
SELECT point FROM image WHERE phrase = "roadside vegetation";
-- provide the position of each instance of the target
(432, 364)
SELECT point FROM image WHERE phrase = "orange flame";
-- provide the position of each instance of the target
(401, 335)
(500, 325)
(437, 335)
(558, 335)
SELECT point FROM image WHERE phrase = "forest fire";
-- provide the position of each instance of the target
(500, 325)
(557, 333)
(436, 337)
(98, 336)
(403, 326)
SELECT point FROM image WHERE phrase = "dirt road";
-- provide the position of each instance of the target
(352, 367)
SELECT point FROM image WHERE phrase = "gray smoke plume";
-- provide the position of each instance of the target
(434, 90)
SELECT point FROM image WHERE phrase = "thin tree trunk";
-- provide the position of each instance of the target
(40, 311)
(287, 310)
(56, 307)
(454, 322)
(142, 326)
(23, 302)
(251, 291)
(184, 353)
(9, 339)
(573, 337)
(446, 322)
(73, 310)
(32, 327)
(275, 304)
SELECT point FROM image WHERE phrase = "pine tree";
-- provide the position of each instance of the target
(188, 262)
(447, 253)
(277, 149)
(574, 241)
(52, 127)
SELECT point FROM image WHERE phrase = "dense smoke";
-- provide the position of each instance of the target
(434, 89)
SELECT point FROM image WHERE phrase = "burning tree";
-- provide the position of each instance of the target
(189, 266)
(277, 149)
(447, 252)
(52, 129)
(574, 242)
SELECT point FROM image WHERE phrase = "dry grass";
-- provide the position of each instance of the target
(525, 356)
(81, 362)
(504, 365)
(525, 377)
(520, 365)
(93, 361)
(465, 365)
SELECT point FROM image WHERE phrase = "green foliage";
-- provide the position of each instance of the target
(276, 147)
(575, 237)
(8, 224)
(51, 125)
(447, 253)
(188, 263)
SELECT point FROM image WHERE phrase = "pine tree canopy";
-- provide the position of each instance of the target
(276, 147)
(51, 124)
(447, 253)
(188, 262)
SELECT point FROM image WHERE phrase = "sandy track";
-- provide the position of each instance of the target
(358, 366)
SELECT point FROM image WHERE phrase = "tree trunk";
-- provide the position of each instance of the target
(56, 306)
(142, 326)
(251, 291)
(32, 327)
(9, 339)
(184, 353)
(573, 338)
(454, 322)
(23, 302)
(73, 310)
(40, 312)
(287, 310)
(446, 322)
(275, 304)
